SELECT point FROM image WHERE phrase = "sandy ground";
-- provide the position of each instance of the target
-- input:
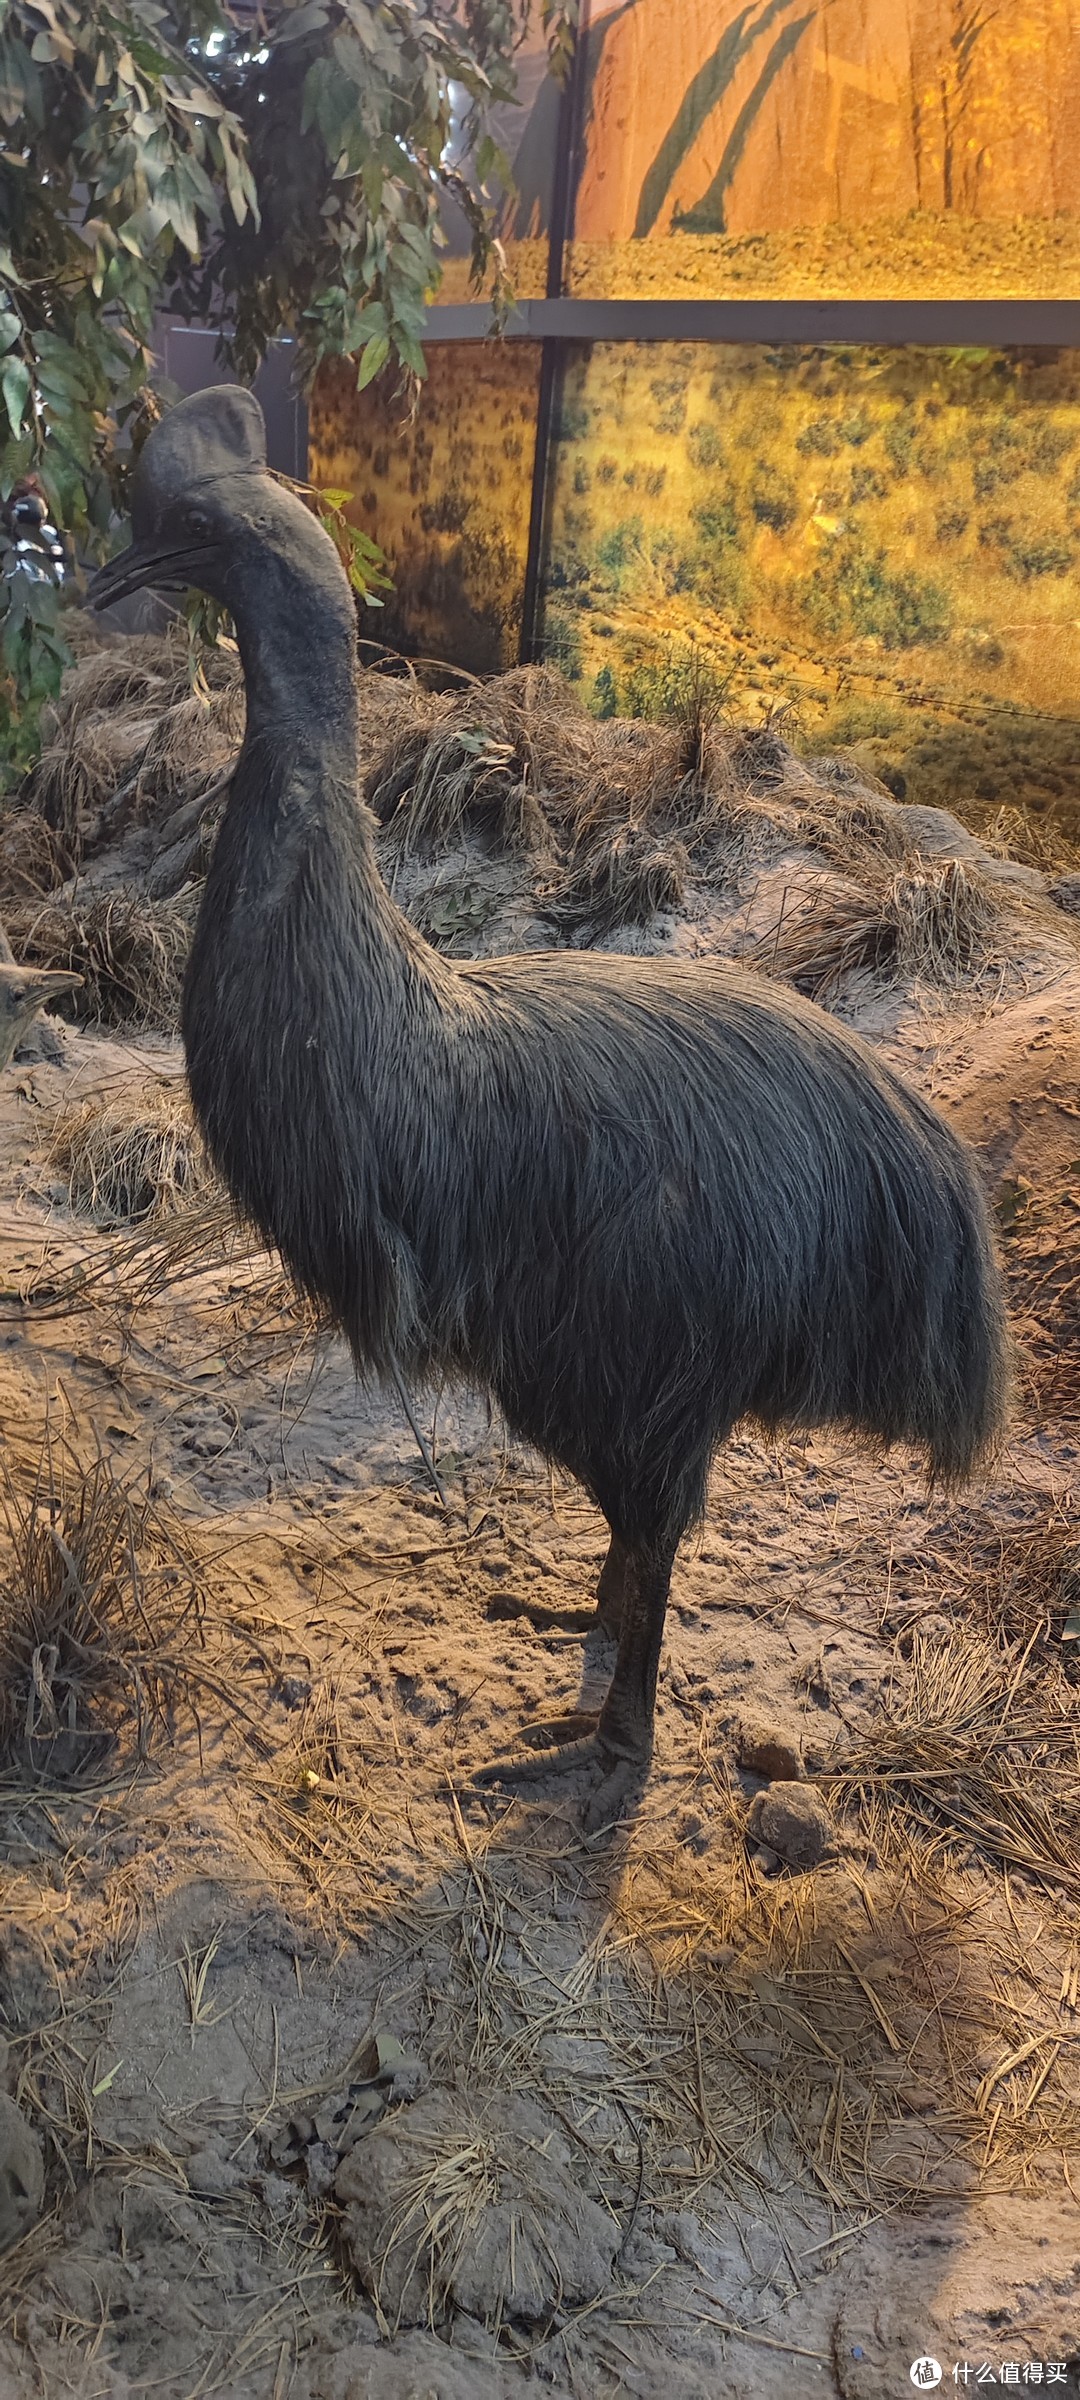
(350, 2080)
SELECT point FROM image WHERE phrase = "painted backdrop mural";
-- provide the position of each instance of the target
(884, 148)
(884, 543)
(446, 492)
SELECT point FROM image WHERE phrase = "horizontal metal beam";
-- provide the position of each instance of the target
(948, 324)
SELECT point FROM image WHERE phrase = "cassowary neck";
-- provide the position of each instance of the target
(308, 996)
(296, 634)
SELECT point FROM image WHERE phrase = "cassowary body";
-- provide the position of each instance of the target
(632, 1200)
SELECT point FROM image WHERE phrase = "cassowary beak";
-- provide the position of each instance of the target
(50, 982)
(143, 564)
(23, 990)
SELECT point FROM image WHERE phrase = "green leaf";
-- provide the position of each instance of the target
(234, 185)
(294, 23)
(15, 458)
(15, 386)
(373, 358)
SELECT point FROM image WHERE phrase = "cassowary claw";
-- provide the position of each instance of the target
(560, 1746)
(554, 1746)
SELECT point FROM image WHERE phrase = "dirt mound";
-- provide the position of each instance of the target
(469, 2201)
(1020, 1104)
(507, 815)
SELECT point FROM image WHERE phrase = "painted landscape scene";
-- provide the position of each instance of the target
(882, 544)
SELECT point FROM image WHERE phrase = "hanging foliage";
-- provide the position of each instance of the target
(271, 173)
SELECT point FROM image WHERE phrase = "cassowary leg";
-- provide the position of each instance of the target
(611, 1589)
(625, 1724)
(620, 1737)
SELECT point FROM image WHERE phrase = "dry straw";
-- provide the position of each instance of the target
(932, 920)
(129, 1159)
(138, 727)
(129, 951)
(101, 1620)
(198, 1254)
(487, 762)
(975, 1754)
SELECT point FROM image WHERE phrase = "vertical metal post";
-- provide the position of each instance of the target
(551, 352)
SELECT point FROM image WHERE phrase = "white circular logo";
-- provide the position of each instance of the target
(925, 2373)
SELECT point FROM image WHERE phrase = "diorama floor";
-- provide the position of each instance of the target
(830, 2117)
(351, 2077)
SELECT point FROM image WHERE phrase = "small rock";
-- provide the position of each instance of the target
(794, 1822)
(763, 1749)
(277, 2195)
(211, 2174)
(22, 2174)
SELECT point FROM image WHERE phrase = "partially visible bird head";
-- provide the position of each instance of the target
(23, 990)
(204, 508)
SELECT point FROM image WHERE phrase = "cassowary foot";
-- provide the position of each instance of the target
(563, 1745)
(554, 1746)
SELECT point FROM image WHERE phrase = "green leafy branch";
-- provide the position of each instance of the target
(278, 176)
(363, 561)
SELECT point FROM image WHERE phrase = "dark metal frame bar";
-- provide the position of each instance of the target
(935, 324)
(551, 357)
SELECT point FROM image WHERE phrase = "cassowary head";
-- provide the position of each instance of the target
(206, 511)
(23, 990)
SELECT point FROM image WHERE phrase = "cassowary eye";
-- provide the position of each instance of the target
(198, 522)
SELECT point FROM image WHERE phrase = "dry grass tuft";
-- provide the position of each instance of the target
(626, 880)
(975, 1751)
(853, 832)
(487, 763)
(933, 921)
(1030, 1589)
(126, 1160)
(129, 951)
(1032, 839)
(140, 728)
(100, 1612)
(33, 859)
(519, 761)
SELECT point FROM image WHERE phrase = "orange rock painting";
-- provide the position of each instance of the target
(721, 124)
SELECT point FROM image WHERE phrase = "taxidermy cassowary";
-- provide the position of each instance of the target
(632, 1200)
(23, 990)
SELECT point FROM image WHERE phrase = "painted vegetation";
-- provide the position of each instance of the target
(885, 542)
(446, 493)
